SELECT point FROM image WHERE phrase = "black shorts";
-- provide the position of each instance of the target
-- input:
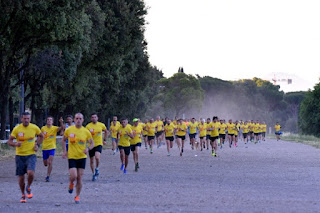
(223, 136)
(77, 163)
(25, 163)
(192, 135)
(207, 137)
(231, 135)
(126, 149)
(263, 134)
(201, 137)
(235, 136)
(182, 137)
(170, 138)
(251, 132)
(256, 134)
(158, 134)
(93, 151)
(245, 135)
(133, 147)
(145, 135)
(214, 138)
(150, 138)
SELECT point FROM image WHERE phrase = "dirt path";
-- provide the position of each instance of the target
(267, 177)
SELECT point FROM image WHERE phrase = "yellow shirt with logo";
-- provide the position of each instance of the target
(193, 127)
(124, 138)
(144, 127)
(182, 129)
(256, 128)
(222, 130)
(25, 135)
(114, 129)
(151, 128)
(78, 138)
(263, 127)
(169, 130)
(215, 129)
(236, 129)
(50, 135)
(277, 127)
(245, 128)
(137, 138)
(230, 128)
(96, 132)
(159, 125)
(203, 129)
(209, 128)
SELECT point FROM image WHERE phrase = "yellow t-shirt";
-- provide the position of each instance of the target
(277, 127)
(77, 138)
(151, 128)
(209, 128)
(145, 132)
(215, 129)
(263, 127)
(256, 128)
(203, 129)
(169, 129)
(96, 132)
(230, 128)
(245, 128)
(114, 129)
(182, 129)
(236, 129)
(50, 134)
(137, 138)
(123, 135)
(25, 135)
(222, 130)
(193, 127)
(251, 126)
(159, 125)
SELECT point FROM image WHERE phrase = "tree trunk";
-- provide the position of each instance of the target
(11, 111)
(4, 108)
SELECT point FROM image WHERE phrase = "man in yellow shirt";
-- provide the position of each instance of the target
(214, 127)
(169, 130)
(193, 127)
(181, 135)
(203, 132)
(208, 134)
(236, 133)
(96, 129)
(152, 130)
(145, 133)
(222, 132)
(26, 148)
(124, 136)
(256, 127)
(230, 130)
(114, 126)
(277, 128)
(245, 131)
(159, 133)
(135, 143)
(49, 143)
(264, 130)
(78, 136)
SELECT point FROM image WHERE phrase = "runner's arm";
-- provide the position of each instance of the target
(11, 143)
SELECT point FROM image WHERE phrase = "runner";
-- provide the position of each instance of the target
(26, 148)
(69, 122)
(251, 127)
(222, 132)
(214, 127)
(193, 126)
(169, 130)
(208, 134)
(96, 128)
(78, 137)
(145, 133)
(124, 135)
(151, 129)
(203, 132)
(49, 143)
(114, 126)
(256, 127)
(181, 134)
(245, 131)
(277, 128)
(159, 126)
(230, 129)
(264, 130)
(236, 133)
(135, 143)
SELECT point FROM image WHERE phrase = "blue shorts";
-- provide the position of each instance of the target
(25, 163)
(47, 153)
(115, 140)
(67, 145)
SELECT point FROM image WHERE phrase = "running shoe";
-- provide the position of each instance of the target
(220, 147)
(114, 152)
(29, 193)
(151, 151)
(212, 153)
(230, 145)
(146, 147)
(136, 167)
(207, 148)
(181, 154)
(70, 190)
(201, 149)
(124, 171)
(94, 177)
(182, 150)
(122, 167)
(97, 173)
(47, 179)
(168, 154)
(23, 199)
(77, 199)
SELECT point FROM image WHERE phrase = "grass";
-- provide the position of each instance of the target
(304, 139)
(7, 151)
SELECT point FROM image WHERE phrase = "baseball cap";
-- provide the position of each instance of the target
(135, 120)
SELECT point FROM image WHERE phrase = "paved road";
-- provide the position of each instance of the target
(267, 177)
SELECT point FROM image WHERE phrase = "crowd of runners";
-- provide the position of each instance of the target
(78, 141)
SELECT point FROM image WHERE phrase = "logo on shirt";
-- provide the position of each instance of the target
(72, 137)
(92, 131)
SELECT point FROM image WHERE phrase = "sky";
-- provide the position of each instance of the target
(235, 39)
